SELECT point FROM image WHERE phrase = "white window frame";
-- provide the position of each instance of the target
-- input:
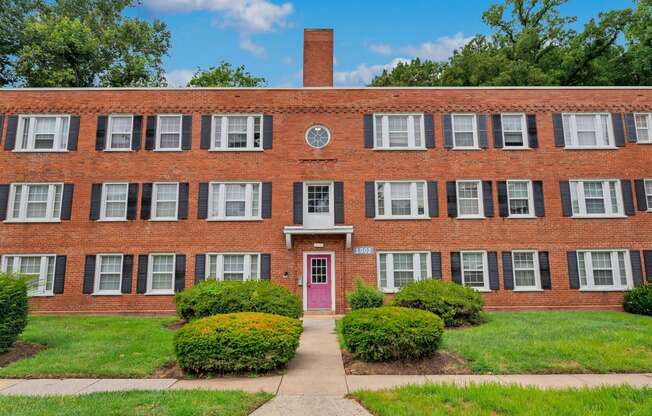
(222, 118)
(647, 195)
(524, 132)
(648, 117)
(98, 274)
(615, 268)
(23, 203)
(476, 140)
(222, 201)
(153, 216)
(159, 132)
(606, 198)
(103, 216)
(150, 274)
(530, 199)
(411, 136)
(480, 214)
(60, 143)
(572, 142)
(485, 273)
(416, 268)
(219, 268)
(39, 291)
(414, 202)
(109, 134)
(537, 272)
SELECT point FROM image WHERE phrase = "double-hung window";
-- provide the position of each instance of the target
(525, 264)
(160, 276)
(465, 131)
(604, 270)
(233, 266)
(39, 268)
(514, 131)
(234, 201)
(401, 200)
(475, 270)
(165, 201)
(35, 202)
(643, 127)
(648, 193)
(114, 201)
(399, 131)
(592, 131)
(237, 132)
(398, 269)
(108, 274)
(168, 132)
(469, 199)
(119, 133)
(601, 198)
(41, 133)
(519, 199)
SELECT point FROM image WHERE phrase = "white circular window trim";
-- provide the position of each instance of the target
(315, 136)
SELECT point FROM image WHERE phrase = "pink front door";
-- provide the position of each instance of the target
(319, 281)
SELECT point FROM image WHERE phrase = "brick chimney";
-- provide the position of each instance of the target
(318, 57)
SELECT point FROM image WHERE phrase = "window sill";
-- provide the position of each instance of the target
(521, 217)
(401, 218)
(527, 290)
(471, 218)
(167, 150)
(481, 290)
(240, 149)
(32, 221)
(163, 219)
(603, 217)
(41, 151)
(170, 293)
(390, 291)
(107, 294)
(119, 150)
(41, 295)
(604, 290)
(590, 148)
(516, 148)
(466, 148)
(400, 149)
(648, 143)
(235, 219)
(112, 220)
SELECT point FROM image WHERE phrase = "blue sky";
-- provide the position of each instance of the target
(266, 35)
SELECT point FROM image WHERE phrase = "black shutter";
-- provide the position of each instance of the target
(180, 273)
(150, 133)
(630, 124)
(566, 205)
(183, 201)
(297, 193)
(483, 140)
(447, 129)
(338, 202)
(200, 268)
(456, 267)
(539, 205)
(368, 131)
(73, 133)
(641, 196)
(637, 271)
(59, 275)
(96, 201)
(127, 271)
(268, 132)
(266, 200)
(497, 124)
(508, 272)
(544, 270)
(451, 196)
(141, 283)
(628, 200)
(2, 125)
(487, 195)
(433, 199)
(137, 132)
(89, 275)
(206, 126)
(186, 132)
(265, 266)
(66, 201)
(370, 199)
(146, 201)
(503, 205)
(12, 127)
(533, 140)
(4, 200)
(100, 133)
(202, 201)
(573, 271)
(558, 127)
(647, 256)
(494, 277)
(132, 201)
(435, 265)
(429, 130)
(619, 130)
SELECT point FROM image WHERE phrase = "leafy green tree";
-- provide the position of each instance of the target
(414, 73)
(13, 14)
(225, 75)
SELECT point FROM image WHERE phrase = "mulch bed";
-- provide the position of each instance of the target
(19, 351)
(439, 363)
(169, 370)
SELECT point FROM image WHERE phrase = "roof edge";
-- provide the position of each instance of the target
(324, 88)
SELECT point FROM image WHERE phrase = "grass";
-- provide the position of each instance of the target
(137, 403)
(95, 346)
(493, 400)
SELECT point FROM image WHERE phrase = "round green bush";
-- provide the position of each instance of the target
(13, 309)
(237, 342)
(365, 296)
(639, 300)
(391, 333)
(213, 297)
(457, 305)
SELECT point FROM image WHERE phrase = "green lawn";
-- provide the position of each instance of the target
(137, 403)
(95, 346)
(494, 400)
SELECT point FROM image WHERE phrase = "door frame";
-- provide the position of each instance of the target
(305, 276)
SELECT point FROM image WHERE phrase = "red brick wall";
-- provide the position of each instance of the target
(344, 159)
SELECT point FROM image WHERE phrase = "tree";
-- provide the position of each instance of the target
(13, 15)
(225, 75)
(414, 73)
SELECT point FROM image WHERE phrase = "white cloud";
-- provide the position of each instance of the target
(380, 48)
(287, 60)
(247, 45)
(440, 49)
(363, 74)
(179, 77)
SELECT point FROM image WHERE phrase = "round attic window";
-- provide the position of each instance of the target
(318, 136)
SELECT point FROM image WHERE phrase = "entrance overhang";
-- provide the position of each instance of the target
(291, 230)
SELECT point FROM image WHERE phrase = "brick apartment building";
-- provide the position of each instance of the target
(113, 199)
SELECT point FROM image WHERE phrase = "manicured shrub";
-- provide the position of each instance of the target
(212, 297)
(237, 342)
(391, 333)
(13, 309)
(365, 296)
(457, 305)
(639, 300)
